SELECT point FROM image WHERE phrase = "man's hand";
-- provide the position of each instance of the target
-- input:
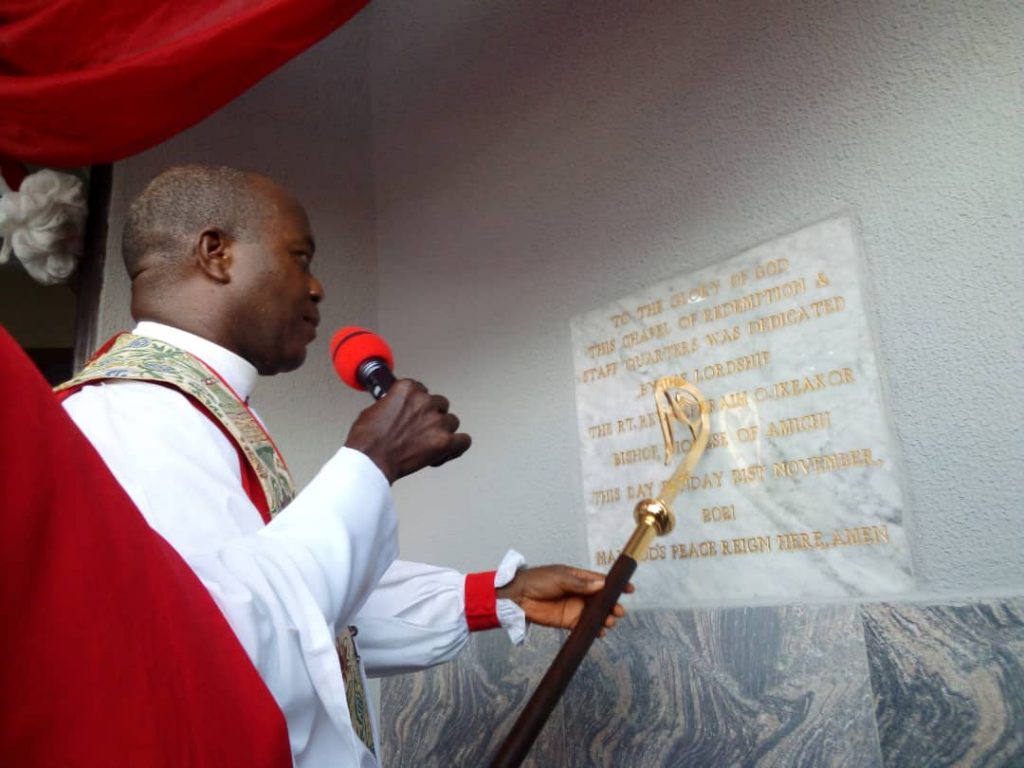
(554, 595)
(407, 431)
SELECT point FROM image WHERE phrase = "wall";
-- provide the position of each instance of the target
(498, 168)
(307, 126)
(536, 159)
(533, 160)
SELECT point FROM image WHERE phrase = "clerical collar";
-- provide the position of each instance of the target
(238, 372)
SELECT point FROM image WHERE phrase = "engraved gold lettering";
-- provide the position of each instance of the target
(778, 320)
(659, 331)
(748, 545)
(693, 549)
(745, 475)
(700, 293)
(601, 348)
(800, 542)
(640, 491)
(605, 496)
(781, 390)
(826, 307)
(702, 482)
(796, 315)
(733, 400)
(655, 552)
(810, 422)
(606, 556)
(755, 300)
(747, 434)
(771, 268)
(661, 354)
(686, 322)
(718, 514)
(649, 310)
(861, 536)
(731, 367)
(724, 336)
(829, 462)
(635, 455)
(600, 372)
(717, 440)
(599, 430)
(647, 420)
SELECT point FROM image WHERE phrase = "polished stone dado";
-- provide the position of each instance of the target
(729, 687)
(889, 685)
(456, 714)
(948, 682)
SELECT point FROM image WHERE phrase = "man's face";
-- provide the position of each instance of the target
(275, 296)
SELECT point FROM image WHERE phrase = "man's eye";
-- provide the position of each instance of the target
(303, 257)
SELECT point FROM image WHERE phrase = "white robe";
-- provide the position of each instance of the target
(328, 560)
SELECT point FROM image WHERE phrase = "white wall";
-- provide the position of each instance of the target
(308, 127)
(536, 159)
(526, 161)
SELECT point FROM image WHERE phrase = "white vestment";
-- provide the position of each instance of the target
(327, 561)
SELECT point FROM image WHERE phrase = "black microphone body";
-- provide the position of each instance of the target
(375, 377)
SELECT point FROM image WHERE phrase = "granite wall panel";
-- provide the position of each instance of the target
(948, 682)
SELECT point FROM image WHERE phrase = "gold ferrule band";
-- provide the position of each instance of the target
(640, 540)
(653, 518)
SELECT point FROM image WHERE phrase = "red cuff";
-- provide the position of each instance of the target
(481, 601)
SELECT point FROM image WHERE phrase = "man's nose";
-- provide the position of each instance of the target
(316, 290)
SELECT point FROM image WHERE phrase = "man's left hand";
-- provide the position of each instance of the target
(554, 595)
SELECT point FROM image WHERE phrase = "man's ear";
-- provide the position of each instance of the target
(213, 254)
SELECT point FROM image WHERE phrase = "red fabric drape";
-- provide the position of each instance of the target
(112, 653)
(92, 81)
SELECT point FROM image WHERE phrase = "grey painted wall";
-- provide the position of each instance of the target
(536, 159)
(478, 173)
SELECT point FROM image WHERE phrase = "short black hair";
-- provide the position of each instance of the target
(183, 201)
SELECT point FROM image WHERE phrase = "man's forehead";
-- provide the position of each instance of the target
(274, 192)
(291, 211)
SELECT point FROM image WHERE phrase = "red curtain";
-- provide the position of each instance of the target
(93, 81)
(112, 652)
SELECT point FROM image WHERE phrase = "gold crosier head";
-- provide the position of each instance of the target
(677, 401)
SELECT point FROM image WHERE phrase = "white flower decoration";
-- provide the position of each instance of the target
(43, 223)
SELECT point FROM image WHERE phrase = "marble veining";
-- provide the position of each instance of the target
(767, 686)
(726, 687)
(457, 714)
(857, 686)
(948, 682)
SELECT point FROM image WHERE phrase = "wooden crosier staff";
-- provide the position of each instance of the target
(675, 399)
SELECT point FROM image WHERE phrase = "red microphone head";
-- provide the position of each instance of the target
(351, 347)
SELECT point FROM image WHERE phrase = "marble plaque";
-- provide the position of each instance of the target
(798, 494)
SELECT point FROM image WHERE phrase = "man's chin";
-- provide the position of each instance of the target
(284, 365)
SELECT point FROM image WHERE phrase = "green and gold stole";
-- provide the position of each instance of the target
(140, 358)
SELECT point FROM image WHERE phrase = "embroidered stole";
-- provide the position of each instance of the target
(139, 358)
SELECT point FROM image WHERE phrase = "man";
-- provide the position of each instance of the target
(221, 282)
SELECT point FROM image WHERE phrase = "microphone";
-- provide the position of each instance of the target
(363, 360)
